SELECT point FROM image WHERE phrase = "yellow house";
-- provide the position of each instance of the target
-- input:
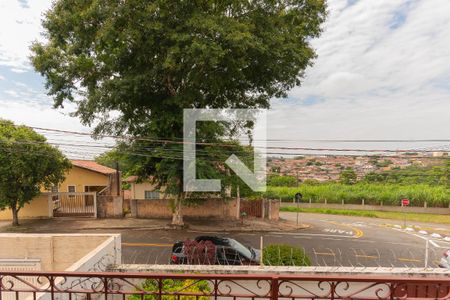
(89, 176)
(86, 177)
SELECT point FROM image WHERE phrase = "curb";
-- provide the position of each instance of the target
(200, 229)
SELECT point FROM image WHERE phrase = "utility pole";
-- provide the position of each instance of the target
(118, 183)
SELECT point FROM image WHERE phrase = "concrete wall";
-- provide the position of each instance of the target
(212, 208)
(260, 270)
(59, 252)
(274, 210)
(109, 206)
(310, 288)
(412, 209)
(40, 207)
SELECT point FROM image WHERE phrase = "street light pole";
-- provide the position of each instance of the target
(298, 197)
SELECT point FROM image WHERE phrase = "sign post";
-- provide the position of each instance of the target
(298, 198)
(405, 202)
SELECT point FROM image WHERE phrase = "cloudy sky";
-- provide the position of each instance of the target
(382, 72)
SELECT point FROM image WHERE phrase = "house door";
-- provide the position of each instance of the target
(89, 199)
(74, 204)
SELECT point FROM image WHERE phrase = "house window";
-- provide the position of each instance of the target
(71, 189)
(151, 194)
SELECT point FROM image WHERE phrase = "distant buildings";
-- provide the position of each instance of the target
(329, 168)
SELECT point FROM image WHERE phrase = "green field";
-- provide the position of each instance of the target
(428, 218)
(372, 193)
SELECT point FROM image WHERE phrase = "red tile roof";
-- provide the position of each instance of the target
(93, 166)
(131, 179)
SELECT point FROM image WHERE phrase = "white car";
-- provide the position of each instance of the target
(445, 260)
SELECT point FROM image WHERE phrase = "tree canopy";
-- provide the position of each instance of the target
(348, 176)
(133, 66)
(27, 165)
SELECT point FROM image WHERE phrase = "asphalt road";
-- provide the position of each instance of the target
(329, 241)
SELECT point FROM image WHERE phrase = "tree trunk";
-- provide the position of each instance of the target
(177, 217)
(15, 213)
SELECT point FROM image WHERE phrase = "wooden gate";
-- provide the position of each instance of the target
(74, 204)
(252, 208)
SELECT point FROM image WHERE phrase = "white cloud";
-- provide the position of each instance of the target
(18, 70)
(20, 23)
(26, 114)
(12, 93)
(382, 71)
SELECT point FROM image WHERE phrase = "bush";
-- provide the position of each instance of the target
(173, 285)
(284, 255)
(282, 181)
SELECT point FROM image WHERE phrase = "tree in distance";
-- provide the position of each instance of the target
(28, 165)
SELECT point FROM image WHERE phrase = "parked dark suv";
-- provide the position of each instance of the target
(213, 250)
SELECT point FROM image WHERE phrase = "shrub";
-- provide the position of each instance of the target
(285, 255)
(282, 181)
(173, 285)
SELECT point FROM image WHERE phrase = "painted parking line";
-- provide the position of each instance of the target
(145, 245)
(324, 253)
(409, 259)
(367, 256)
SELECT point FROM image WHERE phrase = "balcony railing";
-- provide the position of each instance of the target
(142, 286)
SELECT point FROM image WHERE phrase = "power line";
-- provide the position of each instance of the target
(181, 141)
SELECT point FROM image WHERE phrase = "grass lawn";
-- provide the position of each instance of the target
(429, 218)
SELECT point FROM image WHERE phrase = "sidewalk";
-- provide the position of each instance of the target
(4, 224)
(65, 225)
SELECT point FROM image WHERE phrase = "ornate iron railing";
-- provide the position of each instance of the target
(142, 286)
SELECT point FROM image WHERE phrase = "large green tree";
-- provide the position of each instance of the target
(133, 66)
(28, 164)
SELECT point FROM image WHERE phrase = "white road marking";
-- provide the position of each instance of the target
(340, 231)
(431, 241)
(434, 243)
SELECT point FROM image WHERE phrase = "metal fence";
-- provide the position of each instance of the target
(135, 286)
(74, 204)
(320, 256)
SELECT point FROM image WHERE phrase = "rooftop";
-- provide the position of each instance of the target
(93, 166)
